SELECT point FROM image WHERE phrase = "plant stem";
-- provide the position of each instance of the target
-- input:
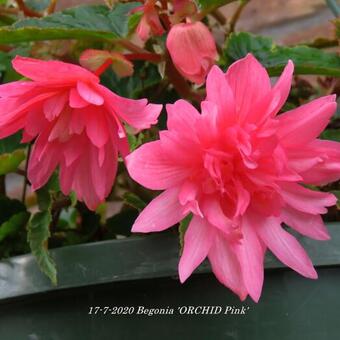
(152, 57)
(24, 190)
(27, 11)
(51, 7)
(3, 185)
(236, 16)
(103, 67)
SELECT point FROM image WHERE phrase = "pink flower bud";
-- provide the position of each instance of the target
(192, 49)
(150, 23)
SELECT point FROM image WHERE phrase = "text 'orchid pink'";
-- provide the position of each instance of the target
(192, 49)
(240, 169)
(76, 124)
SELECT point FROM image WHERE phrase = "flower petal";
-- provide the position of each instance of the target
(197, 242)
(305, 200)
(250, 254)
(226, 266)
(306, 224)
(250, 84)
(89, 94)
(162, 213)
(285, 247)
(149, 166)
(305, 123)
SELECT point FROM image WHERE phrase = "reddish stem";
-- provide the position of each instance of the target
(27, 11)
(153, 57)
(101, 69)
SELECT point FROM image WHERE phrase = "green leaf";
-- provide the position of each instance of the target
(44, 194)
(9, 162)
(134, 201)
(210, 5)
(9, 207)
(183, 226)
(144, 78)
(37, 5)
(83, 22)
(13, 225)
(10, 144)
(307, 60)
(331, 134)
(135, 140)
(38, 234)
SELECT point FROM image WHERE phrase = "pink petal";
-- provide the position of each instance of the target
(280, 91)
(53, 71)
(89, 94)
(226, 266)
(220, 93)
(305, 200)
(197, 242)
(285, 247)
(16, 88)
(149, 166)
(96, 126)
(137, 113)
(162, 213)
(250, 254)
(305, 123)
(181, 116)
(306, 224)
(53, 106)
(250, 84)
(76, 101)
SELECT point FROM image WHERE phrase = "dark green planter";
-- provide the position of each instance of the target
(143, 272)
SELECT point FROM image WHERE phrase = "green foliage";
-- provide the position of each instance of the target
(38, 234)
(145, 77)
(10, 144)
(9, 162)
(307, 60)
(83, 22)
(331, 134)
(13, 225)
(183, 226)
(134, 201)
(210, 5)
(37, 5)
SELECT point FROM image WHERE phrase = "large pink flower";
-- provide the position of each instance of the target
(76, 124)
(239, 168)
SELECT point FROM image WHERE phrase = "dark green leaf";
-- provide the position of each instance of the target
(9, 162)
(183, 226)
(134, 201)
(38, 234)
(307, 60)
(44, 193)
(9, 207)
(13, 225)
(83, 22)
(10, 144)
(144, 78)
(210, 5)
(331, 134)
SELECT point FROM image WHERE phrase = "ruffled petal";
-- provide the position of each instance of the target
(149, 166)
(226, 267)
(285, 247)
(306, 200)
(306, 224)
(197, 243)
(305, 123)
(51, 71)
(162, 213)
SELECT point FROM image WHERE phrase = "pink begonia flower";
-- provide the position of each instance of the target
(192, 49)
(149, 23)
(239, 168)
(76, 124)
